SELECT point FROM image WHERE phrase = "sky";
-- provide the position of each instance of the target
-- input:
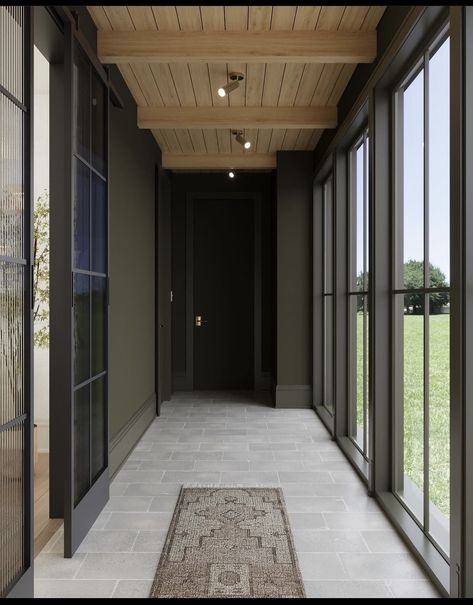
(439, 164)
(439, 168)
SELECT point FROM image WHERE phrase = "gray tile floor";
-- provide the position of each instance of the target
(345, 545)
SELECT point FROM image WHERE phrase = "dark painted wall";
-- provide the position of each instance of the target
(134, 156)
(294, 278)
(184, 183)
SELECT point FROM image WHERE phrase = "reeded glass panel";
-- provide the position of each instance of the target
(99, 327)
(12, 403)
(12, 511)
(82, 105)
(81, 216)
(413, 184)
(439, 166)
(11, 178)
(328, 237)
(12, 20)
(81, 323)
(99, 131)
(328, 352)
(439, 417)
(81, 442)
(411, 316)
(99, 225)
(99, 435)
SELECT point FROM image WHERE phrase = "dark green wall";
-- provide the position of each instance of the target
(134, 157)
(294, 278)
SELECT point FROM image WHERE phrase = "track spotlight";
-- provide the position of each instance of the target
(235, 79)
(238, 134)
(231, 174)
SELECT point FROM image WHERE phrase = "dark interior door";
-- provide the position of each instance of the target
(223, 293)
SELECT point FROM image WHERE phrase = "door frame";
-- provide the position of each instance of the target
(260, 379)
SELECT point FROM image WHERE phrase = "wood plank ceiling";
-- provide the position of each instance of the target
(266, 85)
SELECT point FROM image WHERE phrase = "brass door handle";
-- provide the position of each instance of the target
(199, 321)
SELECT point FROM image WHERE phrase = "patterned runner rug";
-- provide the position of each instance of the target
(229, 542)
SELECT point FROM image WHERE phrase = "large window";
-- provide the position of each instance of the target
(358, 294)
(422, 295)
(328, 319)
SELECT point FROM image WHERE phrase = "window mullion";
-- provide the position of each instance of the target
(426, 295)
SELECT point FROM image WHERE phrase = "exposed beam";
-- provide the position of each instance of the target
(224, 161)
(237, 117)
(317, 46)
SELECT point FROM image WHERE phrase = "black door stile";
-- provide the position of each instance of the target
(16, 405)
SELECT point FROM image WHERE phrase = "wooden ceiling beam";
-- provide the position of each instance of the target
(272, 46)
(222, 161)
(237, 117)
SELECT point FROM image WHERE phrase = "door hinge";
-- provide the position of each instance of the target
(171, 296)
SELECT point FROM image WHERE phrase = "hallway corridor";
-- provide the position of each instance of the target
(345, 545)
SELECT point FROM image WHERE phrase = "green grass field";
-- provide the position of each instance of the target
(439, 403)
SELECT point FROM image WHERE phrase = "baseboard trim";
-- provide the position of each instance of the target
(123, 443)
(294, 396)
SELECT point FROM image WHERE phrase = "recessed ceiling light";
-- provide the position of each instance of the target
(231, 174)
(235, 79)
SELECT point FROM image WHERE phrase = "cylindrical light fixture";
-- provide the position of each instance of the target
(235, 79)
(239, 138)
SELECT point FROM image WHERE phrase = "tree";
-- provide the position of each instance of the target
(414, 279)
(41, 271)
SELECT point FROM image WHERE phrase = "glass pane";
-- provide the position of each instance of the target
(13, 512)
(99, 327)
(81, 104)
(11, 179)
(439, 166)
(12, 354)
(410, 356)
(81, 328)
(360, 217)
(366, 214)
(81, 443)
(99, 435)
(99, 225)
(12, 28)
(81, 216)
(360, 371)
(328, 234)
(99, 131)
(328, 352)
(439, 417)
(413, 184)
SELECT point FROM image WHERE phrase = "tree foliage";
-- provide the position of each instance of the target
(41, 271)
(414, 278)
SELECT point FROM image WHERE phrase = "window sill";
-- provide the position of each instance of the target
(425, 552)
(355, 457)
